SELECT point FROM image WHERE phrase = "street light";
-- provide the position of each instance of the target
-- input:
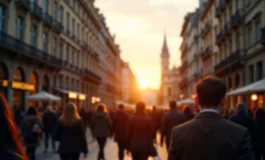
(254, 97)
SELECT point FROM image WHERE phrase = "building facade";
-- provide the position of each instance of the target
(62, 47)
(232, 44)
(170, 78)
(130, 89)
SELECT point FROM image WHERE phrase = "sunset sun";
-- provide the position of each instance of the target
(143, 85)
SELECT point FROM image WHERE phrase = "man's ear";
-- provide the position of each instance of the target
(197, 101)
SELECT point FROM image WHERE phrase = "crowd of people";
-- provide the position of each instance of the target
(207, 132)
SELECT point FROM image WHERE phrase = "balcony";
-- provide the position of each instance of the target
(263, 36)
(219, 8)
(226, 29)
(206, 53)
(235, 19)
(47, 19)
(19, 48)
(208, 26)
(229, 61)
(57, 26)
(25, 4)
(90, 76)
(36, 10)
(196, 76)
(219, 37)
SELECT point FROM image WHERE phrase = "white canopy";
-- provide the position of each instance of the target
(44, 96)
(186, 101)
(258, 86)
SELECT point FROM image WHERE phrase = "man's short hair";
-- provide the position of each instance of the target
(140, 107)
(210, 91)
(241, 107)
(172, 104)
(121, 106)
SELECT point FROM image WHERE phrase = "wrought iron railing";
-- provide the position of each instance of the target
(227, 61)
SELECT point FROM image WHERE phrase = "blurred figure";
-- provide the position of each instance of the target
(171, 119)
(232, 112)
(120, 129)
(140, 134)
(156, 119)
(70, 132)
(32, 131)
(250, 112)
(49, 120)
(260, 147)
(11, 146)
(243, 119)
(101, 128)
(187, 113)
(209, 136)
(84, 116)
(19, 117)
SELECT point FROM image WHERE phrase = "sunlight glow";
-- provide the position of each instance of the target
(143, 85)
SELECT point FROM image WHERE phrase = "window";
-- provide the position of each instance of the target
(61, 14)
(68, 22)
(238, 4)
(249, 36)
(169, 91)
(230, 10)
(78, 31)
(45, 6)
(54, 47)
(45, 42)
(73, 57)
(251, 73)
(54, 13)
(61, 51)
(258, 31)
(73, 27)
(67, 53)
(259, 70)
(34, 36)
(20, 28)
(77, 60)
(230, 46)
(237, 40)
(2, 18)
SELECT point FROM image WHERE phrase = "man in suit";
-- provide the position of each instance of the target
(170, 120)
(209, 136)
(120, 128)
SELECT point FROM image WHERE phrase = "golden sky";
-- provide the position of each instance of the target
(139, 27)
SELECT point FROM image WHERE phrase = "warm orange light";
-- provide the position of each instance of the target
(143, 85)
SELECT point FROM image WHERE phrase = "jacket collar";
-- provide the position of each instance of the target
(208, 115)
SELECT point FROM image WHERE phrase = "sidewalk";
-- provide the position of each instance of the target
(40, 155)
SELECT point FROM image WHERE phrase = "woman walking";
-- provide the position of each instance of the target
(101, 128)
(32, 131)
(70, 132)
(187, 113)
(141, 134)
(10, 144)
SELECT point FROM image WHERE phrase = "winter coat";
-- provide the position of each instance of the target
(72, 138)
(101, 125)
(49, 120)
(30, 122)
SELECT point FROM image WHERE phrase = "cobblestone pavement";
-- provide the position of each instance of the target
(111, 152)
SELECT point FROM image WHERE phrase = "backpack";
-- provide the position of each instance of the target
(33, 134)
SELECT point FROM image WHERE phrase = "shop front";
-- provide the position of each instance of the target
(72, 97)
(253, 94)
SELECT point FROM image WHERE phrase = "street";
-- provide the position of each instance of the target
(111, 151)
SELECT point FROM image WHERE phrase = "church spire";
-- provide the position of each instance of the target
(165, 48)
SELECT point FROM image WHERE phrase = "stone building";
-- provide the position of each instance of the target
(170, 78)
(62, 47)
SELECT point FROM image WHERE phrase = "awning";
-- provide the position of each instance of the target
(44, 96)
(72, 94)
(258, 86)
(186, 101)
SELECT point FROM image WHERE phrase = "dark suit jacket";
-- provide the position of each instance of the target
(120, 127)
(170, 120)
(140, 134)
(210, 137)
